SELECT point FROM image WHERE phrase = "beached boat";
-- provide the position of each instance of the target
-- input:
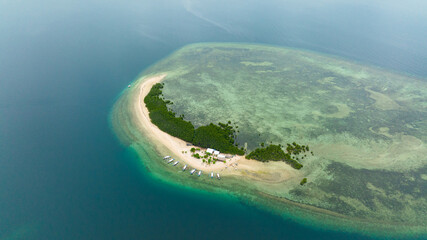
(217, 175)
(185, 167)
(175, 163)
(199, 173)
(211, 174)
(192, 171)
(171, 160)
(167, 157)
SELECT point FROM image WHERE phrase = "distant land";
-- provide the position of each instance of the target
(359, 132)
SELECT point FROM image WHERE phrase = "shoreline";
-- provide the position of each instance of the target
(271, 172)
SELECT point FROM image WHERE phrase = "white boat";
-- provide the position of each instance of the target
(129, 86)
(167, 157)
(171, 160)
(211, 174)
(185, 167)
(192, 171)
(217, 175)
(175, 163)
(199, 173)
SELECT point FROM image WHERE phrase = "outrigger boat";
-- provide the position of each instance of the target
(167, 157)
(170, 160)
(192, 171)
(175, 163)
(217, 175)
(185, 167)
(199, 173)
(211, 174)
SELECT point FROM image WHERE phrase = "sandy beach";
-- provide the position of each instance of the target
(272, 172)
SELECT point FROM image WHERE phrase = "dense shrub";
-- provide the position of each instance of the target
(270, 153)
(273, 153)
(175, 126)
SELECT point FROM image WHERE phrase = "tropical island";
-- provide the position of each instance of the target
(369, 137)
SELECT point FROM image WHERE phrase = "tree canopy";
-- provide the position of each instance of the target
(220, 137)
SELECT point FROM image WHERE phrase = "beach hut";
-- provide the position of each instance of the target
(215, 153)
(210, 150)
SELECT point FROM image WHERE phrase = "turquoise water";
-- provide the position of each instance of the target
(63, 173)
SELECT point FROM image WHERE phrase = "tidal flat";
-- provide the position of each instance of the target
(366, 126)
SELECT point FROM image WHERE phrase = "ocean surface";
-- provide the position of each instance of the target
(64, 174)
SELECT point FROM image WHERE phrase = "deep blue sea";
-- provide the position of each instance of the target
(64, 174)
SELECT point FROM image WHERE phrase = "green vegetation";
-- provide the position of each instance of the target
(296, 149)
(303, 181)
(221, 136)
(276, 153)
(269, 153)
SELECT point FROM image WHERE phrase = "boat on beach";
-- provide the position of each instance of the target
(192, 171)
(175, 163)
(199, 173)
(217, 175)
(185, 167)
(171, 160)
(212, 174)
(167, 157)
